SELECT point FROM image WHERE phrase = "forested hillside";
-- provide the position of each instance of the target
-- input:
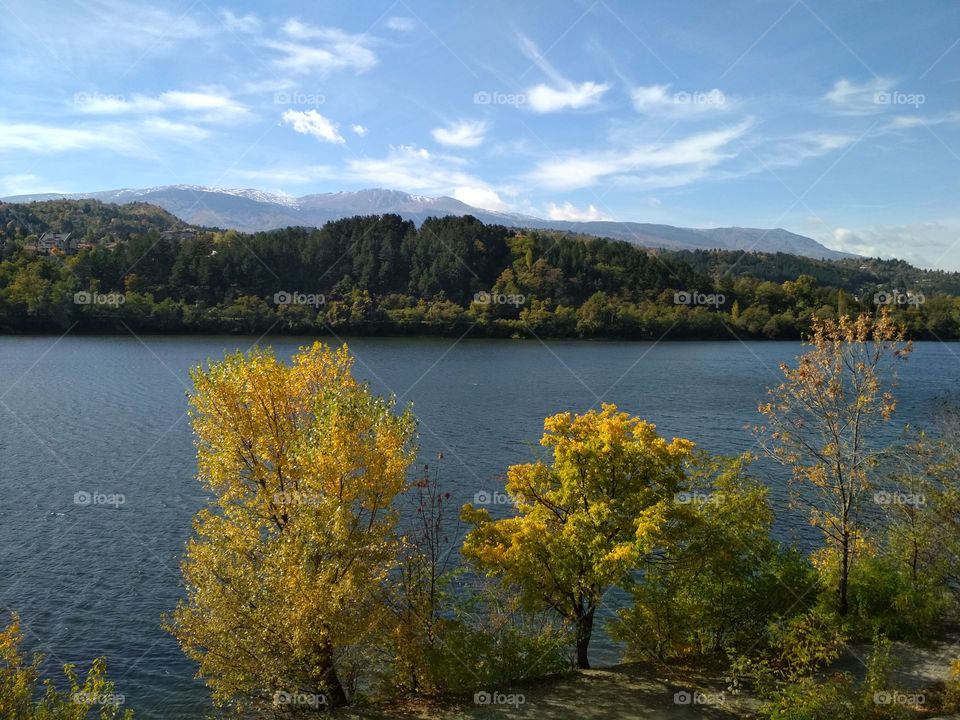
(142, 268)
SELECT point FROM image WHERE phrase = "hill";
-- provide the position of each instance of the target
(255, 210)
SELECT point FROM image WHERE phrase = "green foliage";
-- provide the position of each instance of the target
(840, 696)
(719, 578)
(385, 275)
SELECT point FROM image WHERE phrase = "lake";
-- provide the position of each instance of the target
(106, 416)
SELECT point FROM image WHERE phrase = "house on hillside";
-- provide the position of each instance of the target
(56, 244)
(178, 234)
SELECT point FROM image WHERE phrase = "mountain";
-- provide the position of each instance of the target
(252, 210)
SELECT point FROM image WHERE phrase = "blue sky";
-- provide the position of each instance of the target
(838, 120)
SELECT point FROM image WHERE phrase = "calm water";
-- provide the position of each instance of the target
(107, 415)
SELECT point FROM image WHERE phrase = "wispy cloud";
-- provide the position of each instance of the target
(848, 97)
(247, 24)
(693, 155)
(561, 94)
(401, 23)
(664, 101)
(310, 122)
(305, 48)
(465, 133)
(212, 106)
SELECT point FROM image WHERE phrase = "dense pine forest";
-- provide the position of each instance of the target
(98, 267)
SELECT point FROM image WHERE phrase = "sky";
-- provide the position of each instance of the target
(838, 119)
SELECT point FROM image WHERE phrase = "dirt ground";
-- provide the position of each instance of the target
(647, 692)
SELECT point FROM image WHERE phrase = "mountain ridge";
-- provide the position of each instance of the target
(252, 210)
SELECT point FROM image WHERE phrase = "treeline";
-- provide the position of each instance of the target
(450, 276)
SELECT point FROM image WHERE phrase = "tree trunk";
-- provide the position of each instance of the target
(584, 631)
(842, 605)
(336, 696)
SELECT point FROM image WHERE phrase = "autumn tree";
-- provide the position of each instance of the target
(24, 695)
(822, 423)
(584, 519)
(283, 573)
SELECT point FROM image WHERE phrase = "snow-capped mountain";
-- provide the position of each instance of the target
(252, 210)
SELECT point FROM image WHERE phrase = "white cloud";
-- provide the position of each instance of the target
(401, 23)
(562, 94)
(359, 130)
(212, 106)
(248, 24)
(934, 244)
(306, 48)
(311, 122)
(686, 160)
(413, 169)
(661, 100)
(45, 139)
(545, 99)
(851, 98)
(466, 133)
(480, 197)
(175, 130)
(568, 211)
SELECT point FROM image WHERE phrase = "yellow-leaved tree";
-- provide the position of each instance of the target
(822, 423)
(25, 696)
(283, 575)
(585, 520)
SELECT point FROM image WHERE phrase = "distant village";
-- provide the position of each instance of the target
(68, 244)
